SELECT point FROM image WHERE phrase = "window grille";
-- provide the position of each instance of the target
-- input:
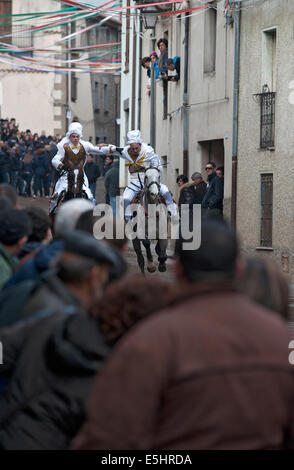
(267, 119)
(266, 210)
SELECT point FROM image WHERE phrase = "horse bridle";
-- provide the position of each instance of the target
(153, 182)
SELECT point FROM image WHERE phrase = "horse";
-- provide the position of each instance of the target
(75, 182)
(150, 194)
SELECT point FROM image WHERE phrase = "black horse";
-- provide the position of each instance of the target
(75, 182)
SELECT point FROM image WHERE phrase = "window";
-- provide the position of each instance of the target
(266, 222)
(267, 118)
(96, 96)
(105, 98)
(210, 23)
(269, 59)
(97, 140)
(5, 27)
(23, 41)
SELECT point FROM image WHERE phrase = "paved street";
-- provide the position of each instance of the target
(130, 255)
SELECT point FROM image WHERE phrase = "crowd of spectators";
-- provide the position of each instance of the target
(94, 358)
(25, 159)
(208, 194)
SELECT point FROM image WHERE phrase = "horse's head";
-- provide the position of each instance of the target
(75, 180)
(152, 183)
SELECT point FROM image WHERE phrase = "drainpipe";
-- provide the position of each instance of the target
(235, 114)
(152, 95)
(140, 77)
(185, 98)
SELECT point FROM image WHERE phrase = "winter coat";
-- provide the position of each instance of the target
(200, 190)
(5, 162)
(33, 268)
(111, 180)
(213, 198)
(92, 171)
(15, 161)
(27, 168)
(28, 248)
(211, 372)
(51, 363)
(31, 296)
(41, 163)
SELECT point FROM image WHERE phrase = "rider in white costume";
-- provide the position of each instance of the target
(140, 156)
(73, 150)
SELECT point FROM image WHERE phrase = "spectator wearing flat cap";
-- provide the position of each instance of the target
(55, 355)
(15, 227)
(77, 276)
(60, 341)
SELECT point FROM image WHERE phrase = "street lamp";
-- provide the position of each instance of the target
(149, 20)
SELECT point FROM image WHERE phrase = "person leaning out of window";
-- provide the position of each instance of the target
(174, 65)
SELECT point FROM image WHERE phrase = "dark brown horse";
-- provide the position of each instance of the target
(75, 182)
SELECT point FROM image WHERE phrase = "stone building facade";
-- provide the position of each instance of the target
(265, 204)
(49, 101)
(200, 120)
(37, 100)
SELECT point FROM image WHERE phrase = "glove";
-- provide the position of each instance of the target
(119, 149)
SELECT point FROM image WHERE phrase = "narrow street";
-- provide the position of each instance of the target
(130, 255)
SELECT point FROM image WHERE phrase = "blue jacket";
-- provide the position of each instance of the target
(33, 268)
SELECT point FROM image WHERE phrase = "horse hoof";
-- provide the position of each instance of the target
(151, 268)
(162, 267)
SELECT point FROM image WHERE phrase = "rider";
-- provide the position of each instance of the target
(72, 153)
(140, 156)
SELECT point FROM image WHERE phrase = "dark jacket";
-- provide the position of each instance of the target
(92, 171)
(187, 196)
(213, 198)
(41, 165)
(212, 372)
(111, 180)
(27, 168)
(16, 160)
(177, 64)
(5, 162)
(51, 364)
(200, 190)
(192, 194)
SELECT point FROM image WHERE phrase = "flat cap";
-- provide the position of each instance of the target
(84, 244)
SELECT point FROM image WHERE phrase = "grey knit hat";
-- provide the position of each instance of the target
(196, 175)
